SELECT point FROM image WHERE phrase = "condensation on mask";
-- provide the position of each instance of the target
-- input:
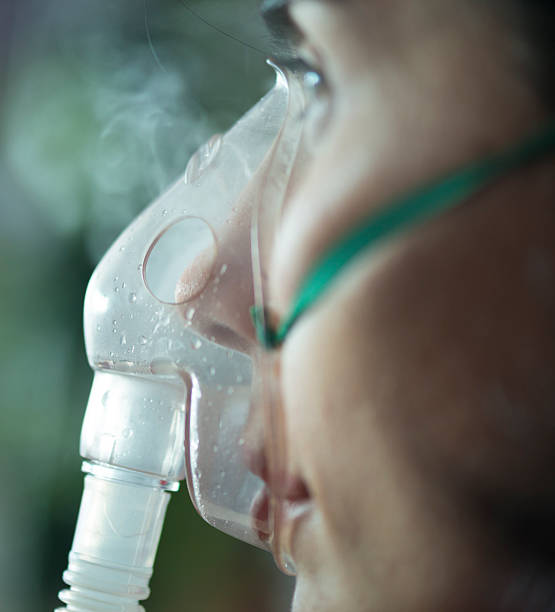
(165, 336)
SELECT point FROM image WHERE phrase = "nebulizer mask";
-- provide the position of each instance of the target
(185, 386)
(176, 392)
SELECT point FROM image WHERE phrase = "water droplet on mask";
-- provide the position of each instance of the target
(212, 371)
(289, 565)
(190, 314)
(132, 298)
(127, 433)
(121, 249)
(202, 159)
(241, 442)
(164, 212)
(230, 390)
(116, 289)
(223, 269)
(142, 340)
(239, 379)
(197, 344)
(98, 328)
(123, 339)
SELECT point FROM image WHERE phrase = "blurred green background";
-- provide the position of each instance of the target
(101, 105)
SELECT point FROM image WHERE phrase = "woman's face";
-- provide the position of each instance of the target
(416, 393)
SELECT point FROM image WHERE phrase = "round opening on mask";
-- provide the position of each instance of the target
(179, 262)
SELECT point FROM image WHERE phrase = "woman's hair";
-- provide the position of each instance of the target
(534, 23)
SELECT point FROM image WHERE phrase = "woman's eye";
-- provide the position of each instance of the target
(315, 86)
(317, 102)
(314, 83)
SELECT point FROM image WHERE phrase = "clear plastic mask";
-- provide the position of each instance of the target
(168, 334)
(182, 387)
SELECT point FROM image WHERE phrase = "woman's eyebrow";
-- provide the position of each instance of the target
(279, 22)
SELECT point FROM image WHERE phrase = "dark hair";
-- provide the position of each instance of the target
(534, 22)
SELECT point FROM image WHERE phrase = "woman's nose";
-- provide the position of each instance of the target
(220, 310)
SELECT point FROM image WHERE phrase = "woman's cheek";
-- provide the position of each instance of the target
(386, 528)
(329, 193)
(331, 385)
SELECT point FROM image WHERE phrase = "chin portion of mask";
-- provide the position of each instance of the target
(168, 400)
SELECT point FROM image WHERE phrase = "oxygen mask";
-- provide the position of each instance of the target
(185, 386)
(176, 394)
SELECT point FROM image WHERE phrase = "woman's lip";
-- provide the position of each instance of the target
(295, 511)
(290, 514)
(260, 511)
(294, 516)
(260, 515)
(293, 501)
(292, 488)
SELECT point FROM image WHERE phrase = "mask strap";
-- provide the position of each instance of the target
(401, 214)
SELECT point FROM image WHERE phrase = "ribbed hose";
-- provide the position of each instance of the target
(117, 534)
(103, 588)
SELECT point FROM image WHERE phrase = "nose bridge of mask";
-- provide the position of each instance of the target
(267, 214)
(161, 381)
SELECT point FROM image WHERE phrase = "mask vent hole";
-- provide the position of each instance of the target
(180, 261)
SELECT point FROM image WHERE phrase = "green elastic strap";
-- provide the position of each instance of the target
(401, 214)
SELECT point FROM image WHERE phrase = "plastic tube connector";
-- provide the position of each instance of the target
(118, 530)
(133, 441)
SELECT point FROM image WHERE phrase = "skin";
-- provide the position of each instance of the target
(418, 393)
